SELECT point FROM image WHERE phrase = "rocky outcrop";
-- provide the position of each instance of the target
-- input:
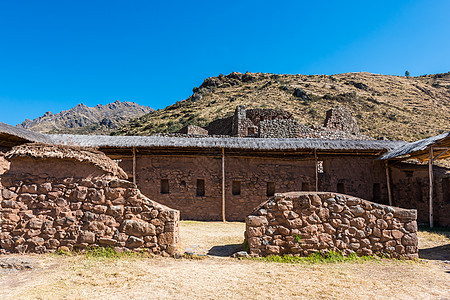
(301, 223)
(82, 119)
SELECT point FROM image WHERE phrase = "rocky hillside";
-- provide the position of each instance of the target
(385, 106)
(81, 119)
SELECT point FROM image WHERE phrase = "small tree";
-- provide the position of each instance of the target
(407, 73)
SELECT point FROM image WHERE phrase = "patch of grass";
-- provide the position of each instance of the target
(104, 252)
(318, 257)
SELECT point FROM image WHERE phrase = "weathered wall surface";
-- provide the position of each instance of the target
(410, 189)
(42, 214)
(356, 174)
(341, 119)
(4, 163)
(281, 129)
(193, 130)
(182, 173)
(302, 223)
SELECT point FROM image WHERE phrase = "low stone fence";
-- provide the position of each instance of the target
(301, 223)
(44, 214)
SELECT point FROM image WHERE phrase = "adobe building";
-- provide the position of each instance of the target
(250, 156)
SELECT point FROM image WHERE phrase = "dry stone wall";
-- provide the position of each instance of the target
(55, 197)
(301, 223)
(282, 129)
(45, 214)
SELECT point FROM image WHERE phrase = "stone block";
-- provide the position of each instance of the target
(254, 232)
(138, 228)
(405, 214)
(272, 250)
(410, 240)
(167, 238)
(35, 223)
(134, 242)
(411, 226)
(86, 237)
(256, 221)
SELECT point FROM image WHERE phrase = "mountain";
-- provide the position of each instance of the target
(395, 107)
(81, 119)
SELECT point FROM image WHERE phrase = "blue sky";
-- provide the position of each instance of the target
(56, 54)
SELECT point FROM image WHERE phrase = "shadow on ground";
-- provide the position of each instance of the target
(225, 250)
(436, 253)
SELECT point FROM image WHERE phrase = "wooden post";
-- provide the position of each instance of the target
(134, 165)
(316, 171)
(430, 175)
(223, 185)
(388, 183)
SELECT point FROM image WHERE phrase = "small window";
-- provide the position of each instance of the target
(270, 189)
(200, 187)
(446, 189)
(376, 192)
(341, 188)
(305, 186)
(320, 167)
(164, 186)
(236, 187)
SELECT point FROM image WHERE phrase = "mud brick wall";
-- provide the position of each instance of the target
(182, 173)
(410, 189)
(302, 223)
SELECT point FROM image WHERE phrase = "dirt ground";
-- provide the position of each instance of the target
(217, 276)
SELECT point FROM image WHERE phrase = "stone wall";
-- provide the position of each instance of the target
(282, 129)
(193, 130)
(45, 214)
(220, 126)
(4, 164)
(341, 119)
(301, 223)
(48, 204)
(182, 173)
(410, 189)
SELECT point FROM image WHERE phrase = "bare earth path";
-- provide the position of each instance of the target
(217, 277)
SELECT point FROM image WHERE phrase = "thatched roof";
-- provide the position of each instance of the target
(85, 155)
(263, 144)
(10, 135)
(420, 149)
(227, 143)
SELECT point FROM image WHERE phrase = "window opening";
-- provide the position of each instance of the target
(164, 186)
(200, 187)
(446, 189)
(305, 186)
(341, 188)
(236, 187)
(270, 189)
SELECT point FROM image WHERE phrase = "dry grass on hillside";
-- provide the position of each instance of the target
(80, 277)
(392, 106)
